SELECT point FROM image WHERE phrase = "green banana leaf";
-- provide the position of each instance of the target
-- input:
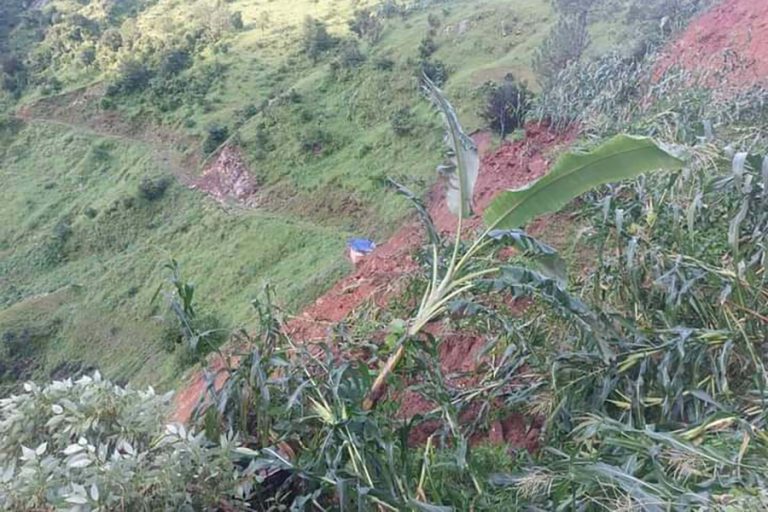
(620, 158)
(463, 163)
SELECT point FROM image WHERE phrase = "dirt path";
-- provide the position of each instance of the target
(380, 276)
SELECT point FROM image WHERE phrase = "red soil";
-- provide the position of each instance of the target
(380, 276)
(728, 42)
(227, 179)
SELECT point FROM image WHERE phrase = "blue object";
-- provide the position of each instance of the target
(361, 245)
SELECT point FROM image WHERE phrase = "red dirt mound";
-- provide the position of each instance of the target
(729, 41)
(228, 179)
(380, 276)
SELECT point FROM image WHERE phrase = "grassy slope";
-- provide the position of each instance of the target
(52, 174)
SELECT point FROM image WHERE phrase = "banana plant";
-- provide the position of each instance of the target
(621, 157)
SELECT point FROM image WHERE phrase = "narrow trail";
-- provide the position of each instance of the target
(176, 163)
(381, 276)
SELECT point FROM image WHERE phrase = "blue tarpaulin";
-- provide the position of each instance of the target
(361, 245)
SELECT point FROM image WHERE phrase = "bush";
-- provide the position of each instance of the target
(17, 351)
(427, 47)
(384, 64)
(436, 70)
(216, 136)
(565, 44)
(434, 22)
(315, 39)
(349, 57)
(112, 39)
(315, 141)
(506, 105)
(90, 444)
(236, 20)
(174, 62)
(132, 76)
(402, 121)
(366, 25)
(87, 56)
(153, 189)
(669, 15)
(14, 76)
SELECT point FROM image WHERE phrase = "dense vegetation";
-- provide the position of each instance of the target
(641, 373)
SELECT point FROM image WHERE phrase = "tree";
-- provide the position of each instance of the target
(174, 62)
(133, 76)
(316, 39)
(427, 47)
(236, 20)
(217, 134)
(565, 44)
(366, 25)
(506, 105)
(112, 39)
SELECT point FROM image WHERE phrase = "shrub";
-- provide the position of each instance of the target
(402, 121)
(174, 62)
(87, 56)
(153, 189)
(427, 47)
(436, 70)
(315, 39)
(112, 39)
(384, 64)
(216, 136)
(366, 25)
(434, 22)
(17, 351)
(565, 44)
(9, 125)
(506, 105)
(236, 20)
(315, 141)
(132, 76)
(349, 57)
(93, 445)
(14, 76)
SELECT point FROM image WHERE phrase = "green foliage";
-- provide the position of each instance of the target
(174, 62)
(506, 105)
(573, 174)
(427, 48)
(215, 137)
(132, 76)
(315, 38)
(236, 20)
(366, 24)
(565, 44)
(349, 57)
(153, 189)
(14, 75)
(435, 70)
(402, 121)
(463, 164)
(669, 16)
(58, 449)
(198, 333)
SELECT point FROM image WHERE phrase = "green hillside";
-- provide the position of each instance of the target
(115, 96)
(179, 180)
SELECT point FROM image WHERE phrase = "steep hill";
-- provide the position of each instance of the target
(118, 106)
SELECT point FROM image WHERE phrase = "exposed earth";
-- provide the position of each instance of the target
(729, 43)
(380, 276)
(730, 40)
